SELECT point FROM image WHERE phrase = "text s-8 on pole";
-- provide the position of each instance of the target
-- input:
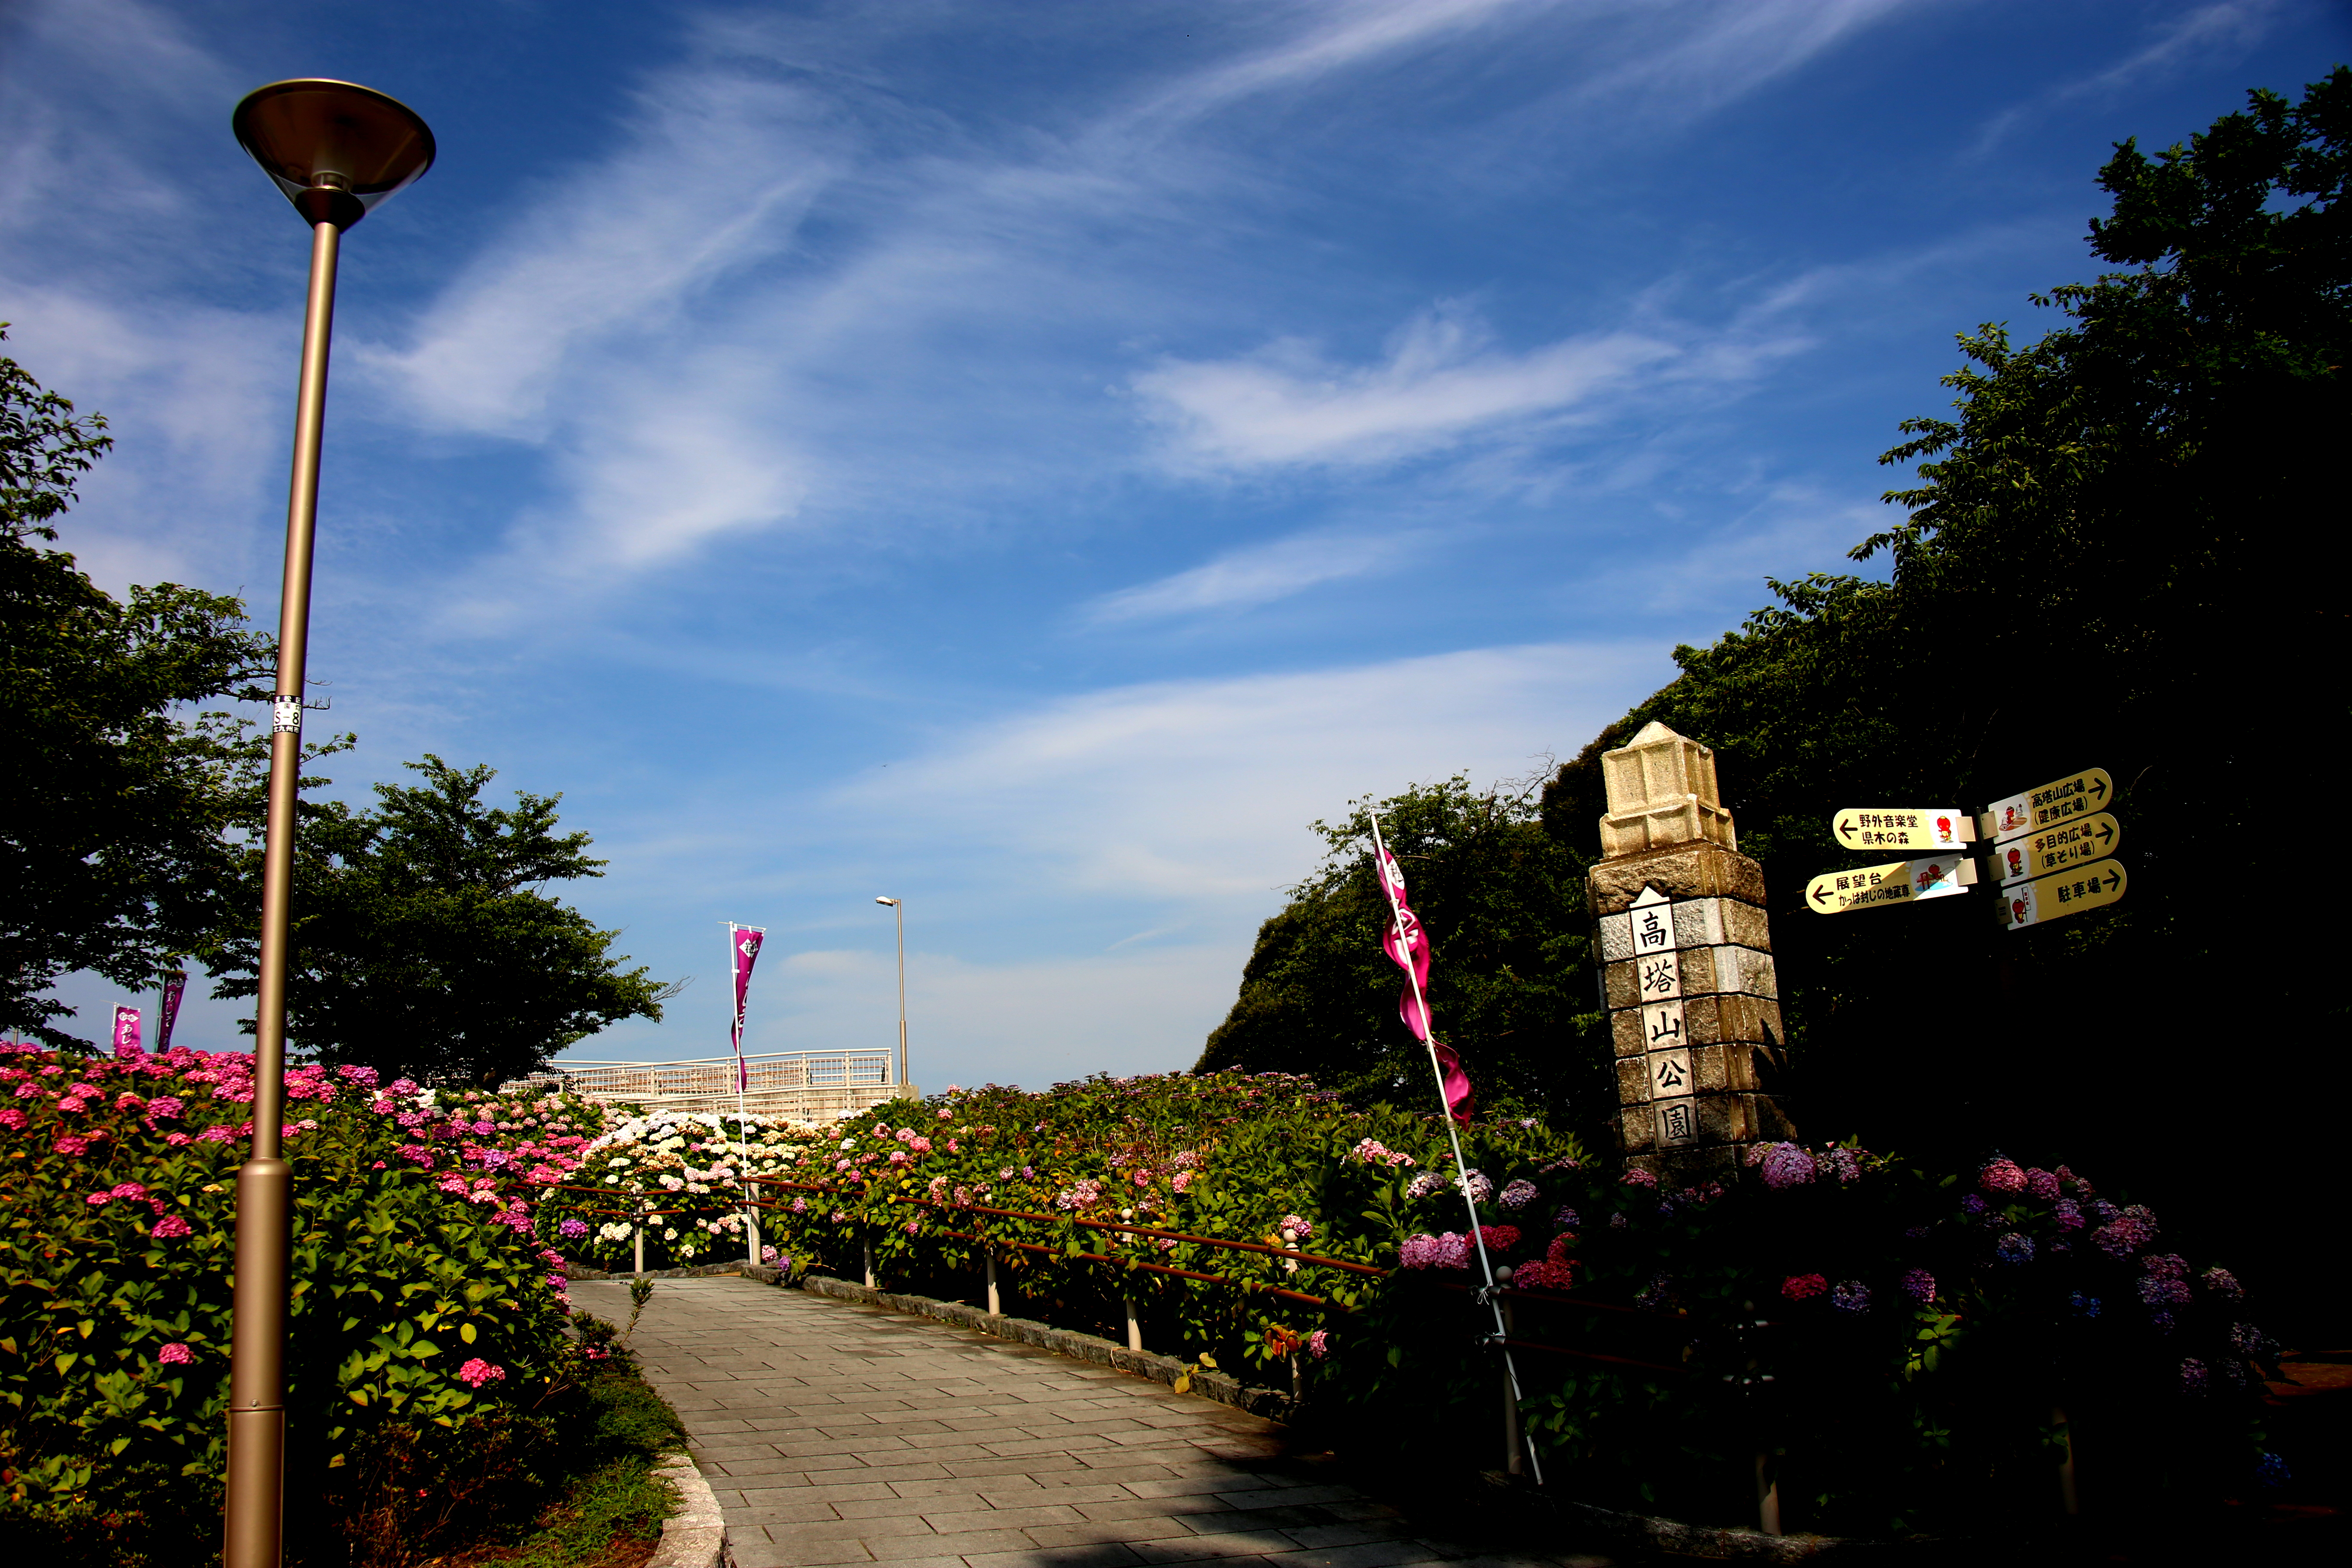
(335, 150)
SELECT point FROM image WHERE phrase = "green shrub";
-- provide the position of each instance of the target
(427, 1332)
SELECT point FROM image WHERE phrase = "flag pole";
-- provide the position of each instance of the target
(737, 998)
(1461, 1168)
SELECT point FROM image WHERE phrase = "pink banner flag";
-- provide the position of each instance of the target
(1407, 944)
(747, 953)
(126, 1031)
(175, 985)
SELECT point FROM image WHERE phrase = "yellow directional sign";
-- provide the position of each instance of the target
(2090, 886)
(1897, 883)
(2051, 805)
(2076, 842)
(1902, 826)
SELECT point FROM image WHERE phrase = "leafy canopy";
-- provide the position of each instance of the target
(112, 848)
(422, 942)
(1509, 986)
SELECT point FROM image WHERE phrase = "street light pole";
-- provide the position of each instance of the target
(335, 150)
(901, 911)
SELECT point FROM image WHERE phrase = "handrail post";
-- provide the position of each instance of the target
(995, 1301)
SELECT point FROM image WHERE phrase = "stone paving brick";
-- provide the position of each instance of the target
(835, 1436)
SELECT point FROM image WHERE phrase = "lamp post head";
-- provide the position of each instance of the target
(892, 902)
(334, 148)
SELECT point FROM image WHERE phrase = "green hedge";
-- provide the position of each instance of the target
(427, 1322)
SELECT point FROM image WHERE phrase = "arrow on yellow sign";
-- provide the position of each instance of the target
(1902, 826)
(2090, 886)
(2047, 805)
(1897, 883)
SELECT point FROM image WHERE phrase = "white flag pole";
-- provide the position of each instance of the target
(1446, 1111)
(737, 1002)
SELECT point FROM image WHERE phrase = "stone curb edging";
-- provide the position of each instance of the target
(696, 1535)
(1270, 1402)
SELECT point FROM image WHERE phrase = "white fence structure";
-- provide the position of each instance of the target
(806, 1086)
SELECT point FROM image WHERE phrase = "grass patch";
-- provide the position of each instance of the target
(612, 1518)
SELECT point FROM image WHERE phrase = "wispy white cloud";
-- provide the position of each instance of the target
(1328, 40)
(1198, 790)
(1440, 383)
(2232, 26)
(715, 169)
(1260, 574)
(1693, 58)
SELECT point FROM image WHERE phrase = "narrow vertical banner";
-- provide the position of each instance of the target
(175, 986)
(126, 1031)
(1407, 944)
(744, 942)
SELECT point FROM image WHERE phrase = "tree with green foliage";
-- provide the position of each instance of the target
(2125, 549)
(422, 942)
(111, 847)
(1509, 982)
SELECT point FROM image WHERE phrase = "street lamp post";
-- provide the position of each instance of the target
(335, 150)
(901, 911)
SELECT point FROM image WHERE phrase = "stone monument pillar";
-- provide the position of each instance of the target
(1686, 955)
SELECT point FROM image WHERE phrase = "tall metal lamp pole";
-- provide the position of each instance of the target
(901, 911)
(335, 150)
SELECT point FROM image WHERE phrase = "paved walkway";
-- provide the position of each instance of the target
(835, 1433)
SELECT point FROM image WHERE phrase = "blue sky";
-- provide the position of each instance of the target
(1032, 456)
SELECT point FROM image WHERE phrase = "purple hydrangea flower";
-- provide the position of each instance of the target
(2270, 1470)
(2084, 1306)
(2013, 1247)
(2069, 1213)
(2247, 1341)
(1519, 1195)
(1567, 1219)
(2221, 1282)
(2159, 1291)
(2166, 1265)
(1851, 1296)
(1973, 1205)
(2042, 1184)
(2194, 1379)
(1786, 1165)
(1845, 1164)
(1919, 1285)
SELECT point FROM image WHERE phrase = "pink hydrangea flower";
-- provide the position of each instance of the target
(164, 1105)
(478, 1372)
(1803, 1287)
(1637, 1177)
(169, 1228)
(12, 1117)
(1319, 1343)
(2001, 1176)
(71, 1144)
(176, 1353)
